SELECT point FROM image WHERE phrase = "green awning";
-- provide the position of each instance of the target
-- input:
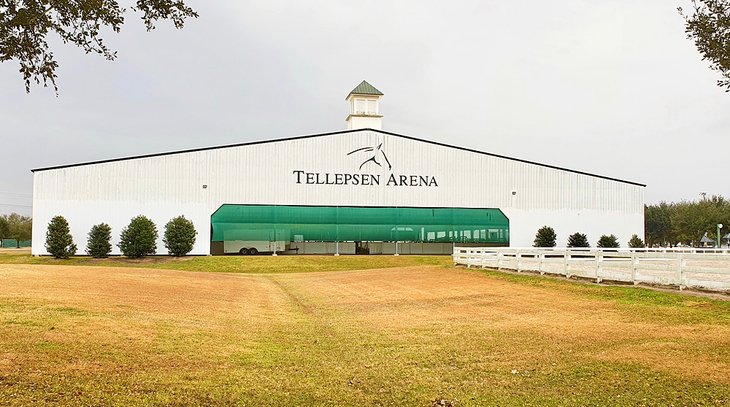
(328, 223)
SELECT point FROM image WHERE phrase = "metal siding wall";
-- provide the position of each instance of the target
(167, 186)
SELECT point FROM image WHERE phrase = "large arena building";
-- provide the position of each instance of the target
(363, 190)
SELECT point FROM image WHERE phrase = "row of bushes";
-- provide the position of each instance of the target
(137, 240)
(546, 237)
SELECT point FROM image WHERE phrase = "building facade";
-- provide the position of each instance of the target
(363, 190)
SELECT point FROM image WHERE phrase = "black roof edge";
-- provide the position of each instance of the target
(193, 150)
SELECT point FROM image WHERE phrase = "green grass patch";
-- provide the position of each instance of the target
(642, 302)
(240, 264)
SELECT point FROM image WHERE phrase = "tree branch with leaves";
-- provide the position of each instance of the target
(26, 24)
(709, 27)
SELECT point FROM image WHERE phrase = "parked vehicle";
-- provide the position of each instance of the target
(253, 247)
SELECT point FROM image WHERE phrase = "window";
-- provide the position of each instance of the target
(372, 107)
(360, 106)
(366, 106)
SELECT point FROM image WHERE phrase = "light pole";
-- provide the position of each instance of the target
(719, 226)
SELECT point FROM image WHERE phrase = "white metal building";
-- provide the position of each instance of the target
(357, 190)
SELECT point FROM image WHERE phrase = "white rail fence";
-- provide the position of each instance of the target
(685, 267)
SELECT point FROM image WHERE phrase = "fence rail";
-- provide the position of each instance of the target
(681, 267)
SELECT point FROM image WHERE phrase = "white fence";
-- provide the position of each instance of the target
(685, 267)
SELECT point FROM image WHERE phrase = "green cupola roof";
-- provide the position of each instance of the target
(365, 88)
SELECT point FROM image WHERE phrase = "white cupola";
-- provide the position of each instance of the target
(364, 108)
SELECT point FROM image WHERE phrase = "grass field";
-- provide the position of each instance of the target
(235, 264)
(369, 331)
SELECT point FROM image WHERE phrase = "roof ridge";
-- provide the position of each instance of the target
(193, 150)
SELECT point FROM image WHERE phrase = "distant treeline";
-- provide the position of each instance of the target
(669, 224)
(16, 227)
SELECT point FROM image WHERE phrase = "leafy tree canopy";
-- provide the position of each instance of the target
(4, 230)
(668, 224)
(708, 25)
(139, 238)
(15, 226)
(26, 24)
(179, 236)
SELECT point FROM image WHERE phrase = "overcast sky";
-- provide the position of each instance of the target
(610, 87)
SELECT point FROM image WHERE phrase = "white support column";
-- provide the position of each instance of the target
(599, 265)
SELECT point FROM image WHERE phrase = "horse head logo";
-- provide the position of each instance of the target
(374, 155)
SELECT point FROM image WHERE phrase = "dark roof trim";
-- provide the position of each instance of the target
(332, 134)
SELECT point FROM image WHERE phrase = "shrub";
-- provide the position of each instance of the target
(635, 242)
(578, 239)
(59, 242)
(545, 237)
(139, 238)
(179, 236)
(99, 244)
(608, 241)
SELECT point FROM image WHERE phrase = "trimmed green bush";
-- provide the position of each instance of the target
(608, 241)
(179, 236)
(635, 242)
(139, 238)
(578, 239)
(545, 237)
(99, 244)
(59, 242)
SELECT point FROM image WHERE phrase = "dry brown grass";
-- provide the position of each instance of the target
(96, 335)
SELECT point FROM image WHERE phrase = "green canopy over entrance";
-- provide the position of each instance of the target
(373, 224)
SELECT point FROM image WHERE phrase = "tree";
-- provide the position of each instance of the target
(139, 238)
(607, 241)
(545, 237)
(59, 242)
(25, 25)
(658, 223)
(179, 236)
(691, 220)
(709, 27)
(99, 241)
(578, 239)
(15, 226)
(4, 230)
(635, 242)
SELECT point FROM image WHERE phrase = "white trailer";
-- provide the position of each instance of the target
(253, 247)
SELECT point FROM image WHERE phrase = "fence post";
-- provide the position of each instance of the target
(541, 259)
(680, 270)
(599, 265)
(566, 266)
(634, 266)
(519, 261)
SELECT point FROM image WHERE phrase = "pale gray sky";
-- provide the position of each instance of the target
(610, 87)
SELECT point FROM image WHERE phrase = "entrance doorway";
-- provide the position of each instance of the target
(362, 247)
